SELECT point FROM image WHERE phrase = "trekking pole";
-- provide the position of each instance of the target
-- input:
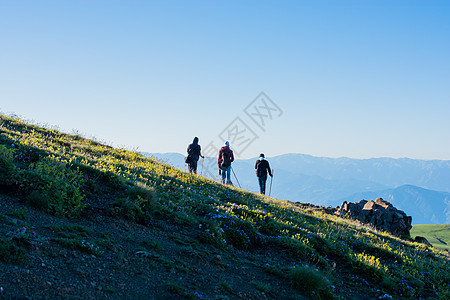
(271, 179)
(201, 172)
(235, 177)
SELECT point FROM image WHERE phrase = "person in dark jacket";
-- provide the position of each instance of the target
(194, 153)
(224, 161)
(262, 167)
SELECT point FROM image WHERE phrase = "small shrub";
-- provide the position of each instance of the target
(24, 238)
(294, 246)
(151, 245)
(213, 235)
(77, 244)
(71, 231)
(262, 287)
(310, 281)
(226, 287)
(241, 234)
(7, 167)
(10, 252)
(368, 265)
(175, 288)
(20, 213)
(269, 227)
(105, 241)
(389, 284)
(38, 200)
(58, 188)
(138, 204)
(80, 229)
(274, 270)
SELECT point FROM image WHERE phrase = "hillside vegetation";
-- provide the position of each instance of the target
(81, 219)
(438, 235)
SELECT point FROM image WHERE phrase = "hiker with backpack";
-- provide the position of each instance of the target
(226, 157)
(262, 167)
(194, 153)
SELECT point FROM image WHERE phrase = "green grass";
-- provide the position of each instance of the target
(437, 235)
(311, 281)
(79, 244)
(261, 286)
(225, 286)
(64, 174)
(10, 252)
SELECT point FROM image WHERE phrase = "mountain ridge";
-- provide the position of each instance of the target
(438, 212)
(324, 184)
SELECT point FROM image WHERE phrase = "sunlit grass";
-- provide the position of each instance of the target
(60, 173)
(437, 235)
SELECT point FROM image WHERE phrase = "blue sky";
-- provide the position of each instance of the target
(358, 79)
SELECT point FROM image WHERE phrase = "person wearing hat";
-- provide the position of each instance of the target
(226, 157)
(262, 167)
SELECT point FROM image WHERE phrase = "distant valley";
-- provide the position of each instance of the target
(421, 188)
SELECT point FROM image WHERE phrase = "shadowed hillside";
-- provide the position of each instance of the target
(80, 219)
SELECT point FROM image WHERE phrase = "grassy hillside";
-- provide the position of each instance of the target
(437, 235)
(84, 220)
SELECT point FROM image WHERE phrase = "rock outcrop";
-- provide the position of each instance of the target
(422, 240)
(380, 214)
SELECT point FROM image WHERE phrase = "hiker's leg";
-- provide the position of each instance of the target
(193, 166)
(229, 175)
(264, 179)
(223, 175)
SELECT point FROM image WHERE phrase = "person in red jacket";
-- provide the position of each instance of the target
(262, 167)
(226, 157)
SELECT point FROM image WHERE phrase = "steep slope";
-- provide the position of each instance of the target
(83, 220)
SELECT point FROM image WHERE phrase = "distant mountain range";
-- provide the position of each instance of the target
(426, 206)
(421, 188)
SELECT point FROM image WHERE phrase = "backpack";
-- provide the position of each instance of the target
(226, 159)
(261, 168)
(193, 151)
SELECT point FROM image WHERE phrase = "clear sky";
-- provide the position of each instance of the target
(358, 79)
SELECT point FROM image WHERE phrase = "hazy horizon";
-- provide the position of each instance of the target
(316, 156)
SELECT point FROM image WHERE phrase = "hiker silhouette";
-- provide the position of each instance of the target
(224, 161)
(262, 167)
(194, 153)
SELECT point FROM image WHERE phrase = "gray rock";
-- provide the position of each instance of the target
(422, 240)
(379, 213)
